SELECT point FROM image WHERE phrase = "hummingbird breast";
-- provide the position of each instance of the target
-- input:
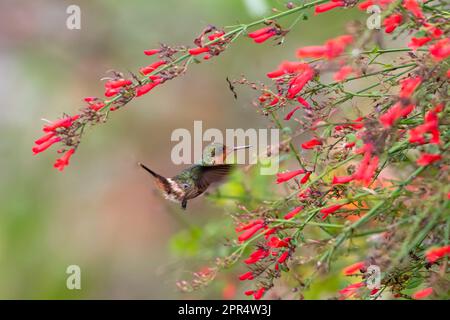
(175, 192)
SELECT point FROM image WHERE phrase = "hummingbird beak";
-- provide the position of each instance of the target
(143, 166)
(241, 147)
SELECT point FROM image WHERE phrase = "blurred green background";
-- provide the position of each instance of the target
(102, 213)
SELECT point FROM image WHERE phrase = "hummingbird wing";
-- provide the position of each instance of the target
(212, 174)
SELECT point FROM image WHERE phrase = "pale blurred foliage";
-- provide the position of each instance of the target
(102, 213)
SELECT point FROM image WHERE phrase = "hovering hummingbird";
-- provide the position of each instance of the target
(195, 180)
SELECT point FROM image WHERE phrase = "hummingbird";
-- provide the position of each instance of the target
(195, 180)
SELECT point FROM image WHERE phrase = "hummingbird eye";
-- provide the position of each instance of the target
(185, 185)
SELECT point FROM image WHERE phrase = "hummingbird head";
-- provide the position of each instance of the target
(216, 153)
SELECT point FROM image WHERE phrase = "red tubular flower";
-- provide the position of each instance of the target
(96, 106)
(215, 35)
(260, 32)
(392, 22)
(259, 293)
(422, 294)
(276, 242)
(303, 102)
(351, 290)
(268, 232)
(434, 254)
(413, 7)
(90, 99)
(418, 42)
(366, 4)
(249, 292)
(440, 50)
(356, 267)
(151, 52)
(111, 92)
(370, 171)
(311, 143)
(343, 73)
(256, 256)
(61, 123)
(62, 162)
(293, 213)
(326, 211)
(287, 67)
(118, 83)
(198, 50)
(394, 113)
(283, 257)
(45, 138)
(45, 145)
(264, 37)
(247, 226)
(291, 113)
(312, 52)
(328, 6)
(145, 88)
(286, 176)
(428, 158)
(408, 86)
(305, 178)
(297, 83)
(342, 180)
(250, 232)
(246, 276)
(150, 68)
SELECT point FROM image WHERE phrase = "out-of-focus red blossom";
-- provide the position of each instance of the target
(152, 67)
(311, 143)
(198, 50)
(250, 232)
(291, 113)
(283, 257)
(62, 162)
(416, 43)
(428, 158)
(305, 178)
(275, 242)
(249, 292)
(440, 50)
(229, 291)
(413, 7)
(286, 176)
(259, 293)
(246, 276)
(331, 209)
(269, 231)
(151, 52)
(331, 49)
(349, 145)
(408, 86)
(343, 73)
(328, 6)
(256, 256)
(434, 254)
(65, 122)
(422, 294)
(392, 22)
(351, 290)
(367, 166)
(45, 145)
(342, 179)
(431, 125)
(262, 35)
(352, 269)
(394, 113)
(293, 213)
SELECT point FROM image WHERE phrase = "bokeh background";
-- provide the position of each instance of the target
(102, 213)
